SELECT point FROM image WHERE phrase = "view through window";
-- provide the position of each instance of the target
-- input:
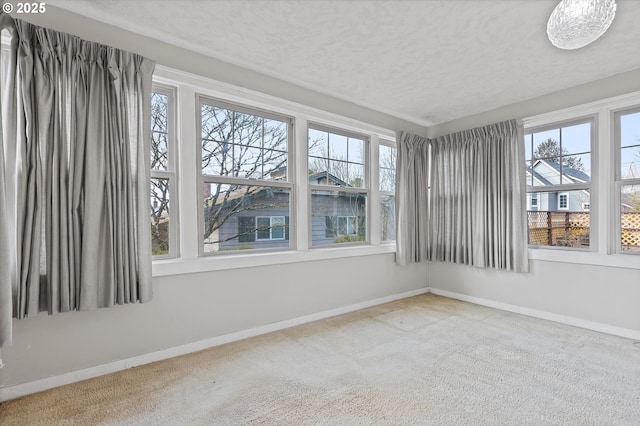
(558, 173)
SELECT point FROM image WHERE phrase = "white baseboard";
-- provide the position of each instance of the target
(563, 319)
(16, 391)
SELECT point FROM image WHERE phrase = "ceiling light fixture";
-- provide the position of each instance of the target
(575, 23)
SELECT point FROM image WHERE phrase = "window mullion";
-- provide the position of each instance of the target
(189, 183)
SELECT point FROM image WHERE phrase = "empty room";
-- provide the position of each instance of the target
(402, 212)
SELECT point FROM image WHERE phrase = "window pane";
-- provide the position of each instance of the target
(318, 143)
(216, 123)
(528, 140)
(546, 144)
(217, 158)
(317, 165)
(276, 134)
(243, 145)
(559, 218)
(576, 139)
(356, 175)
(576, 168)
(630, 162)
(387, 168)
(247, 162)
(237, 217)
(263, 228)
(247, 130)
(337, 147)
(339, 173)
(337, 217)
(277, 228)
(159, 137)
(159, 103)
(274, 165)
(630, 129)
(630, 218)
(388, 217)
(356, 150)
(159, 216)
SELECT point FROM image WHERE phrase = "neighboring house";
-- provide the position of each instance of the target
(547, 173)
(261, 220)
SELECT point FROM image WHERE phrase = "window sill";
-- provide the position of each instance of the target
(219, 263)
(630, 261)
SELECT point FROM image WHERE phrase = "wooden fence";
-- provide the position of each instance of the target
(571, 229)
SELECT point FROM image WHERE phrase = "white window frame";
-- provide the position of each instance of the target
(564, 195)
(202, 99)
(603, 189)
(365, 190)
(390, 144)
(619, 181)
(563, 189)
(172, 171)
(271, 238)
(188, 87)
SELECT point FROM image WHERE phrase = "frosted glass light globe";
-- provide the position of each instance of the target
(576, 23)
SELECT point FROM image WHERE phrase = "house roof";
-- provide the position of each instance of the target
(329, 177)
(569, 171)
(572, 173)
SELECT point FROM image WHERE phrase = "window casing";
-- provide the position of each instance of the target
(627, 180)
(338, 186)
(244, 162)
(558, 173)
(164, 189)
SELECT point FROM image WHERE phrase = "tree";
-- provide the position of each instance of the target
(550, 150)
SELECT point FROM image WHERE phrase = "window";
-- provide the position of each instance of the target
(338, 186)
(163, 172)
(270, 228)
(563, 201)
(627, 125)
(387, 170)
(558, 173)
(244, 169)
(246, 188)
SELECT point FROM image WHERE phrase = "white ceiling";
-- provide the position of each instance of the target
(427, 61)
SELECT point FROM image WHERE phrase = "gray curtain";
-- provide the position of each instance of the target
(77, 181)
(412, 192)
(477, 208)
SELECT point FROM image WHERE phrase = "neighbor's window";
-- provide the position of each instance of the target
(628, 179)
(163, 182)
(338, 186)
(246, 186)
(558, 172)
(387, 170)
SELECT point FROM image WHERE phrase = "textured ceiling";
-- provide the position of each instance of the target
(428, 61)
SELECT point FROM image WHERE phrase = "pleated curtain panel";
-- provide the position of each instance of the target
(472, 208)
(74, 175)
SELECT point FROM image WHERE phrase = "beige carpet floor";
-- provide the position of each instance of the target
(422, 360)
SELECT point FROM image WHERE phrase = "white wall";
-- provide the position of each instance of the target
(595, 294)
(193, 307)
